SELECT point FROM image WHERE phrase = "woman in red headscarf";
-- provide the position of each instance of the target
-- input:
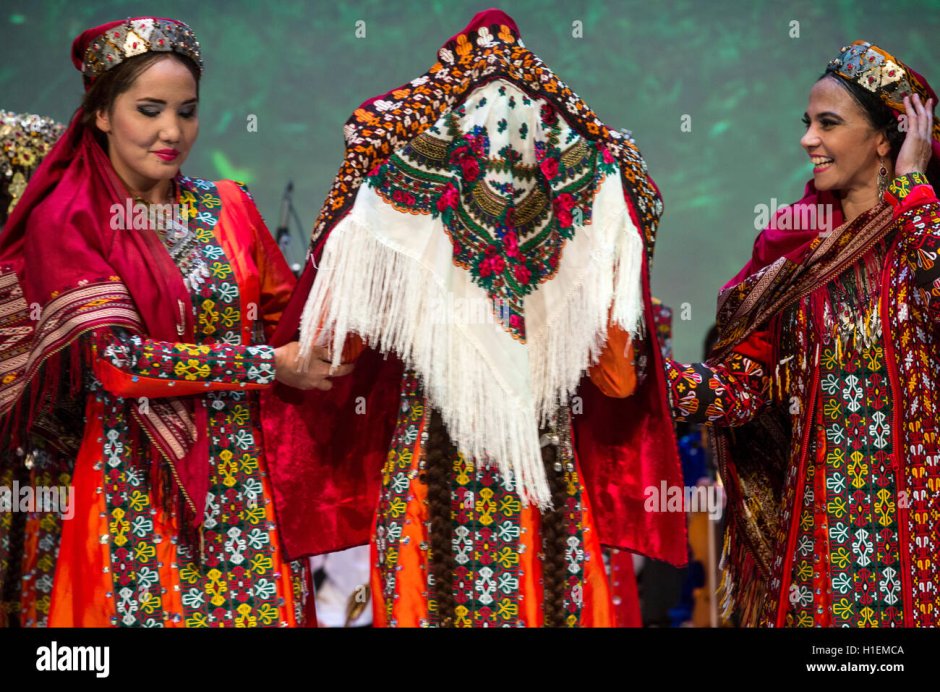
(823, 385)
(134, 305)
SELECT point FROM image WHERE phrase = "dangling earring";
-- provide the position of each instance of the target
(882, 181)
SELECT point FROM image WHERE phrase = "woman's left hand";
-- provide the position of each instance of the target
(916, 151)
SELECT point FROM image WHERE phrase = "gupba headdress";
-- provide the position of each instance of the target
(97, 50)
(882, 74)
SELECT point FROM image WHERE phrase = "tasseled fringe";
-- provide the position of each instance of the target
(388, 298)
(573, 338)
(158, 480)
(742, 589)
(847, 309)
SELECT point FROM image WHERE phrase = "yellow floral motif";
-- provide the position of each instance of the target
(200, 620)
(194, 349)
(221, 270)
(138, 501)
(805, 619)
(244, 617)
(804, 570)
(509, 505)
(253, 515)
(397, 507)
(119, 527)
(404, 459)
(508, 557)
(43, 604)
(858, 469)
(829, 359)
(228, 468)
(144, 552)
(843, 608)
(884, 506)
(572, 483)
(462, 470)
(867, 616)
(837, 507)
(806, 521)
(240, 415)
(230, 316)
(841, 558)
(462, 616)
(216, 587)
(391, 558)
(832, 409)
(46, 563)
(210, 201)
(485, 506)
(191, 369)
(261, 564)
(836, 458)
(507, 610)
(248, 463)
(417, 411)
(150, 602)
(208, 316)
(873, 355)
(268, 614)
(203, 235)
(187, 197)
(189, 574)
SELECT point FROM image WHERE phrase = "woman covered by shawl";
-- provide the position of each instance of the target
(823, 385)
(135, 304)
(488, 240)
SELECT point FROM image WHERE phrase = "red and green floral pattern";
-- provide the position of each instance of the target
(508, 219)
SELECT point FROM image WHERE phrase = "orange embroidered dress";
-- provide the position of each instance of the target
(121, 561)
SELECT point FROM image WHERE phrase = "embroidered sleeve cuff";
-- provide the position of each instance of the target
(908, 192)
(131, 366)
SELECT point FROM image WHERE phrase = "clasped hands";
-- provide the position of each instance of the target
(314, 372)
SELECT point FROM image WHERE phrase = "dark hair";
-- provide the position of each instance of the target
(439, 460)
(554, 533)
(111, 84)
(882, 119)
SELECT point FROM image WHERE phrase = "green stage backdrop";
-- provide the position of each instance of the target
(737, 74)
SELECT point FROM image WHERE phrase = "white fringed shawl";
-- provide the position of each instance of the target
(390, 276)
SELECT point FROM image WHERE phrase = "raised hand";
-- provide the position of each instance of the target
(916, 151)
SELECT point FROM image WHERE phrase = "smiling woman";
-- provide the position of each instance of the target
(826, 368)
(148, 117)
(138, 351)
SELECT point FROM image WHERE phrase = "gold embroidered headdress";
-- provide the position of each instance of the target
(98, 50)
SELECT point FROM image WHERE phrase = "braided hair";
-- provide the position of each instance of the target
(440, 453)
(554, 533)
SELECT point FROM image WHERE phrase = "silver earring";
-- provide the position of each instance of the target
(882, 180)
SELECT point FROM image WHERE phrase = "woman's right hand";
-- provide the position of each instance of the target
(314, 374)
